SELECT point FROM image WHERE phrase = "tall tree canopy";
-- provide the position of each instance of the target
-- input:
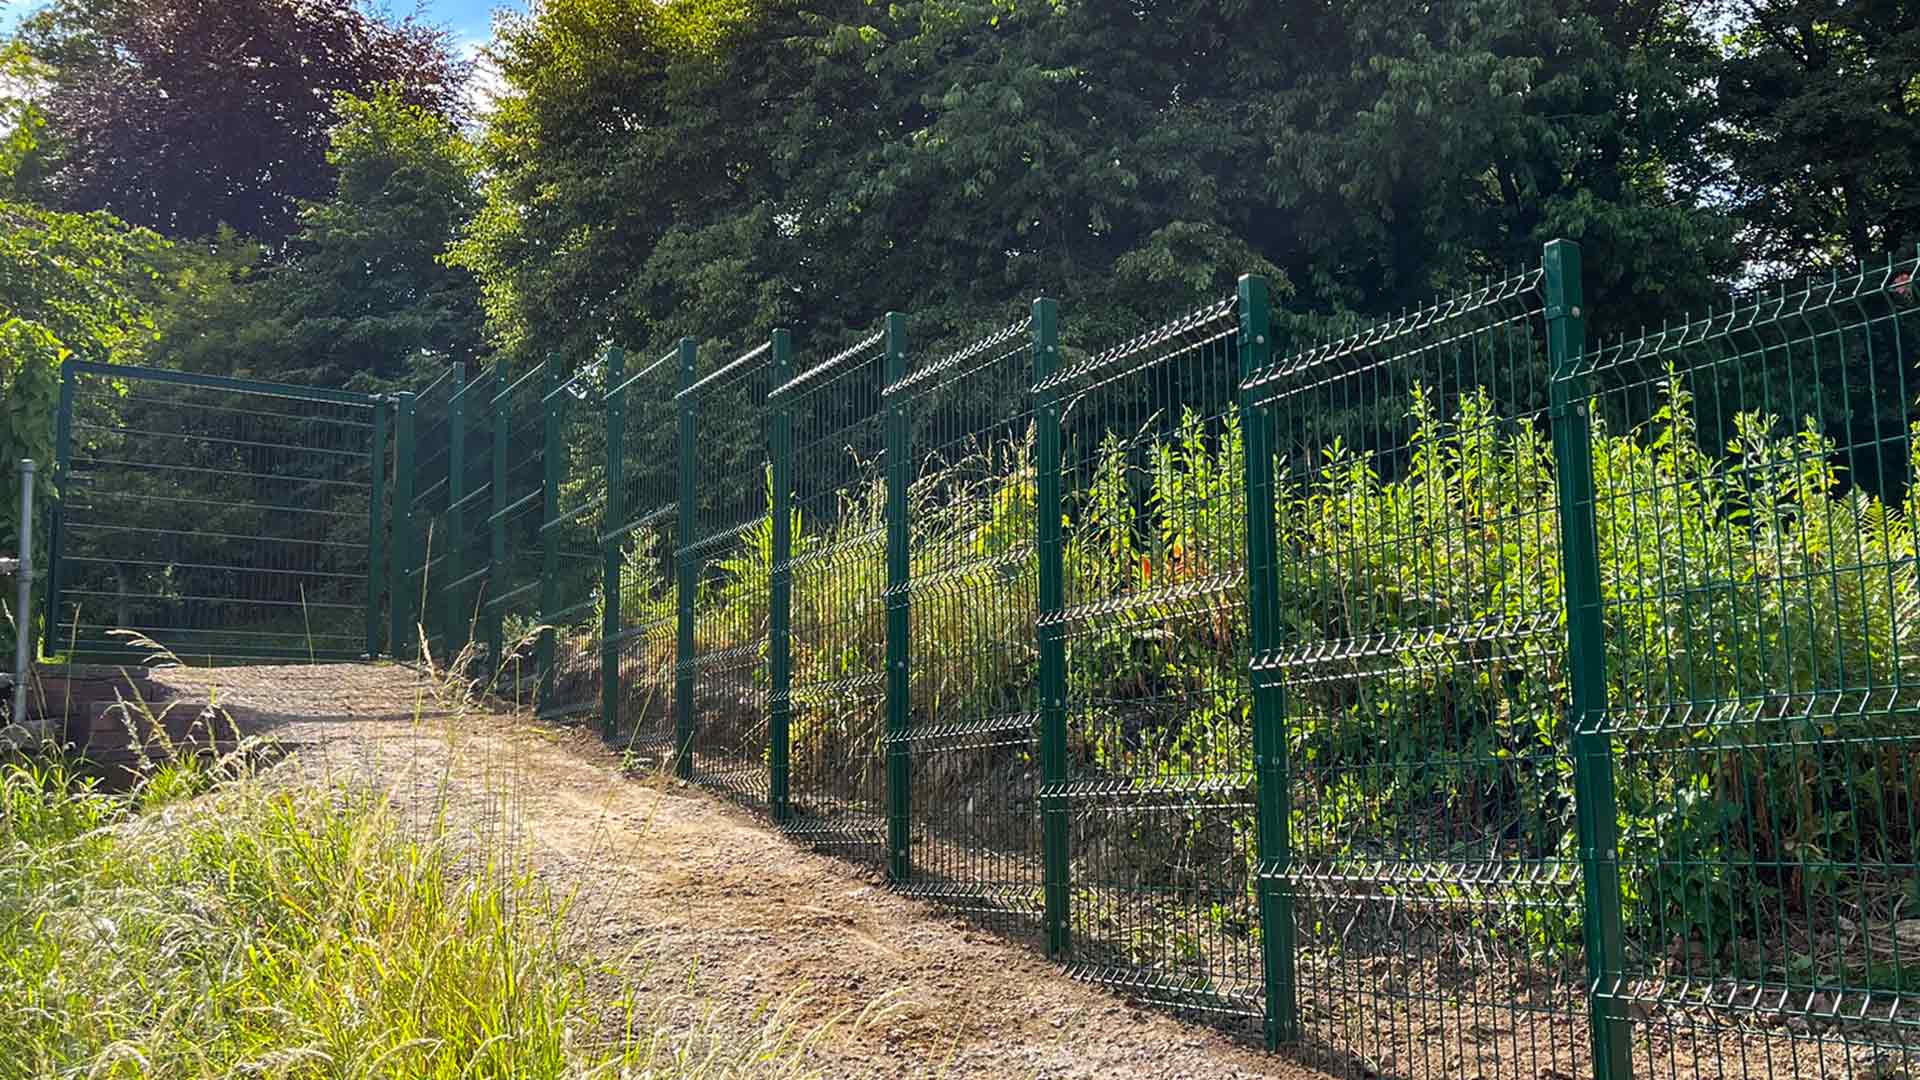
(1820, 103)
(361, 295)
(669, 167)
(184, 115)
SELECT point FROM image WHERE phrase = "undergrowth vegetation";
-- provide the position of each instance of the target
(213, 923)
(1742, 585)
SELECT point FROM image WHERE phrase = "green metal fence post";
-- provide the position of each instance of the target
(1272, 777)
(899, 682)
(452, 612)
(684, 580)
(611, 548)
(376, 523)
(550, 459)
(1596, 815)
(401, 632)
(1050, 634)
(497, 534)
(57, 512)
(780, 592)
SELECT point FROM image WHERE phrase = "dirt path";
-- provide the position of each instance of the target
(699, 900)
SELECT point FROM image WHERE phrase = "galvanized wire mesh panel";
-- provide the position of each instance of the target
(571, 550)
(225, 520)
(838, 571)
(1159, 771)
(1434, 877)
(731, 548)
(1754, 504)
(972, 735)
(645, 645)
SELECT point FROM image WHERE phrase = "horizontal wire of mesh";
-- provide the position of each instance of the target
(648, 600)
(1435, 878)
(732, 550)
(1160, 781)
(1754, 501)
(225, 526)
(838, 570)
(974, 578)
(576, 687)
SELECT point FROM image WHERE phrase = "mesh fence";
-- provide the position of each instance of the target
(1445, 698)
(223, 520)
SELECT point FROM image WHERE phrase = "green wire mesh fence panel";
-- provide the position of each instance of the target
(432, 456)
(645, 645)
(1434, 877)
(513, 596)
(972, 734)
(838, 574)
(1159, 770)
(574, 531)
(1754, 505)
(469, 532)
(732, 549)
(224, 520)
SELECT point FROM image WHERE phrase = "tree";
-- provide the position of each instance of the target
(1820, 113)
(183, 115)
(360, 296)
(674, 168)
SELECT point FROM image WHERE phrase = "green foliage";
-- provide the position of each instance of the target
(265, 928)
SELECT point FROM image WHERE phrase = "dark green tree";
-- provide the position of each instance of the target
(1820, 113)
(184, 115)
(361, 295)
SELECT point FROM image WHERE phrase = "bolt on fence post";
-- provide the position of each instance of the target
(550, 453)
(780, 591)
(1273, 837)
(498, 582)
(684, 581)
(400, 630)
(612, 517)
(1050, 634)
(452, 613)
(376, 524)
(1595, 813)
(57, 508)
(899, 683)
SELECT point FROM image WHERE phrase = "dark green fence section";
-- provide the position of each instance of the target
(834, 571)
(573, 494)
(971, 739)
(225, 520)
(1420, 688)
(1759, 709)
(1446, 698)
(1158, 784)
(427, 563)
(727, 555)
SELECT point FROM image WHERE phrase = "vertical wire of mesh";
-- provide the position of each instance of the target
(1434, 874)
(838, 714)
(1754, 506)
(732, 551)
(972, 733)
(575, 696)
(647, 602)
(218, 522)
(1159, 770)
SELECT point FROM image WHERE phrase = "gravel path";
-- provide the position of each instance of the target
(697, 900)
